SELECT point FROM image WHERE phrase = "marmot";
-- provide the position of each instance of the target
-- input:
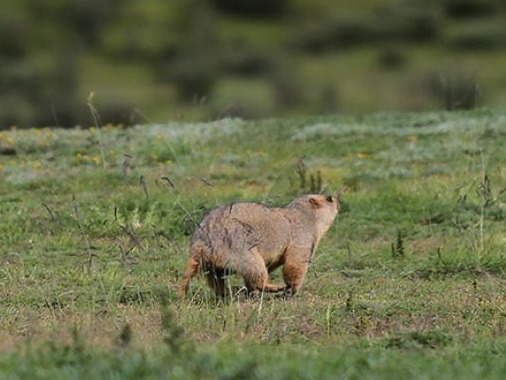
(252, 239)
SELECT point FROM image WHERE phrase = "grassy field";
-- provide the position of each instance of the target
(408, 283)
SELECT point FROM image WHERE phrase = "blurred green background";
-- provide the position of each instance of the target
(155, 61)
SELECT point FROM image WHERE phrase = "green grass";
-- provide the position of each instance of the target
(409, 282)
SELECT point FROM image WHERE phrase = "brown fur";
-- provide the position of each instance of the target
(252, 239)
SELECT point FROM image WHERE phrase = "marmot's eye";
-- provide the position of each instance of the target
(330, 199)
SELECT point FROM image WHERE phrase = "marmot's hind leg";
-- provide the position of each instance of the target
(256, 276)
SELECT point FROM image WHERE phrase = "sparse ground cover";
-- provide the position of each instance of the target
(409, 282)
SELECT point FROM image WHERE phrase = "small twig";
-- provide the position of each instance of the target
(124, 254)
(165, 236)
(139, 112)
(126, 164)
(83, 233)
(169, 181)
(130, 234)
(142, 182)
(301, 170)
(343, 190)
(207, 182)
(188, 214)
(49, 211)
(484, 189)
(134, 240)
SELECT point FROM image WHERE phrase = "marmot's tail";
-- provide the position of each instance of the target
(192, 269)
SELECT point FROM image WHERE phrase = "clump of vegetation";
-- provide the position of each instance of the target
(309, 182)
(456, 91)
(398, 249)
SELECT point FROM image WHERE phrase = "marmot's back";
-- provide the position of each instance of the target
(235, 228)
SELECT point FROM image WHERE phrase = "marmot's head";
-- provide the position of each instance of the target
(324, 208)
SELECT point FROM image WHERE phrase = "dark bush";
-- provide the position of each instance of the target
(91, 17)
(408, 23)
(245, 59)
(116, 112)
(455, 90)
(478, 36)
(253, 8)
(39, 91)
(13, 33)
(391, 58)
(314, 38)
(38, 76)
(239, 109)
(15, 111)
(470, 8)
(350, 32)
(192, 64)
(329, 99)
(194, 76)
(333, 32)
(288, 86)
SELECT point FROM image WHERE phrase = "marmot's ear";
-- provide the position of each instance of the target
(313, 202)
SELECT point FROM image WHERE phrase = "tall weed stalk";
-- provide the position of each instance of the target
(98, 124)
